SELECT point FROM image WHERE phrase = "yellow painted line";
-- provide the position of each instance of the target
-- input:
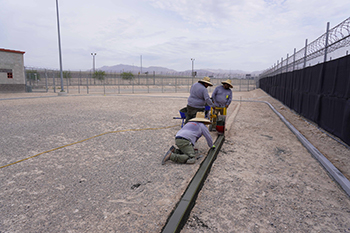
(118, 131)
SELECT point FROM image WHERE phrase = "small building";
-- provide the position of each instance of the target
(12, 78)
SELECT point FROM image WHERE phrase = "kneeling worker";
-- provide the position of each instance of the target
(185, 139)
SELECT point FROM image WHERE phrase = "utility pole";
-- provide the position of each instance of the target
(93, 62)
(59, 46)
(93, 65)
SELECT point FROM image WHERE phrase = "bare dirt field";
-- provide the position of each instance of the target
(96, 167)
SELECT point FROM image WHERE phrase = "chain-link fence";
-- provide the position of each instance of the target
(78, 82)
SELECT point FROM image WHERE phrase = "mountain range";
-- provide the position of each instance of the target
(165, 71)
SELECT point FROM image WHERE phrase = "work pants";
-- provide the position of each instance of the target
(191, 112)
(184, 152)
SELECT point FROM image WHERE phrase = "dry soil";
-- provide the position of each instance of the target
(93, 164)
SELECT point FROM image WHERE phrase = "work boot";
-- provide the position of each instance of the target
(191, 161)
(168, 154)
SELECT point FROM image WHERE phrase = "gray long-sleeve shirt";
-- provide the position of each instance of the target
(222, 96)
(193, 130)
(199, 96)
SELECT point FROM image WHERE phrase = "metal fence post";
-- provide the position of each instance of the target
(277, 65)
(132, 86)
(46, 84)
(147, 82)
(175, 85)
(294, 58)
(54, 82)
(87, 83)
(305, 53)
(119, 84)
(79, 81)
(281, 65)
(326, 45)
(67, 80)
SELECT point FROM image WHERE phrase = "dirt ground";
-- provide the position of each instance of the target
(94, 162)
(264, 180)
(108, 176)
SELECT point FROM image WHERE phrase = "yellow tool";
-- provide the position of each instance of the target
(218, 122)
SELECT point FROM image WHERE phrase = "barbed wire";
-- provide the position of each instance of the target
(338, 37)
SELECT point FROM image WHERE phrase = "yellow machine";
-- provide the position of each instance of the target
(218, 121)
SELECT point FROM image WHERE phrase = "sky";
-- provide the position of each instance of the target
(248, 35)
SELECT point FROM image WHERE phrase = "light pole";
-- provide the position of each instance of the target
(93, 65)
(192, 59)
(59, 46)
(93, 62)
(141, 63)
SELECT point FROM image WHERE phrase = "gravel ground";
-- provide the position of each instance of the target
(114, 182)
(263, 180)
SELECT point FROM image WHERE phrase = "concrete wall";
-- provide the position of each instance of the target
(12, 61)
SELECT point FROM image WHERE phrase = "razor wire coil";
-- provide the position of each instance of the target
(338, 37)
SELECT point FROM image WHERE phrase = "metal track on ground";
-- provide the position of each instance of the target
(327, 165)
(183, 208)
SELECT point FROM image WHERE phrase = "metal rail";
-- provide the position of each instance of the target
(180, 214)
(327, 165)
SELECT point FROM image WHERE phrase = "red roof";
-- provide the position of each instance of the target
(11, 51)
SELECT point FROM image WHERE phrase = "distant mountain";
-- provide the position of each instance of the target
(136, 69)
(213, 73)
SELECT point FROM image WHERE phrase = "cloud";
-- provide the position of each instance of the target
(248, 35)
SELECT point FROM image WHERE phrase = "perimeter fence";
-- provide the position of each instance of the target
(78, 82)
(332, 44)
(320, 93)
